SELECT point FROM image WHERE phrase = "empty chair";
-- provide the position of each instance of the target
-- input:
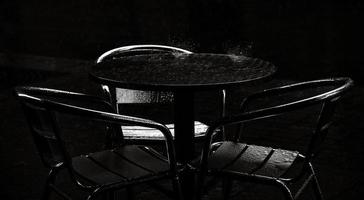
(234, 159)
(122, 98)
(101, 171)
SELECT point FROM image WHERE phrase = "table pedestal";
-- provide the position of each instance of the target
(184, 137)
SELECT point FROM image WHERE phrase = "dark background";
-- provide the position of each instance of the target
(305, 39)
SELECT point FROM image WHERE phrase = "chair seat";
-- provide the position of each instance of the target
(249, 159)
(144, 133)
(123, 164)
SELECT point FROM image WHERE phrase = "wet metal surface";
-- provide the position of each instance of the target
(190, 71)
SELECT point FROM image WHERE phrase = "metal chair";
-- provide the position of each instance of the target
(100, 172)
(127, 97)
(238, 160)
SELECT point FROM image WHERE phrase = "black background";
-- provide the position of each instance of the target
(303, 38)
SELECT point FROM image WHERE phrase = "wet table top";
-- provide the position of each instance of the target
(198, 71)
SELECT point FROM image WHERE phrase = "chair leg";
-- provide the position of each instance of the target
(199, 186)
(286, 191)
(317, 188)
(315, 185)
(110, 195)
(50, 180)
(93, 194)
(177, 188)
(226, 187)
(130, 193)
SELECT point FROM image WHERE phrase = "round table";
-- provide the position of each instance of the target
(182, 74)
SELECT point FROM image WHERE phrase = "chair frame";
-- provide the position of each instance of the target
(29, 99)
(328, 100)
(110, 91)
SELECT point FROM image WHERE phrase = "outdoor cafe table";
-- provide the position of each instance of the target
(184, 75)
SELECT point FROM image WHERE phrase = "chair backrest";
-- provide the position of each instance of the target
(44, 130)
(328, 99)
(43, 122)
(132, 50)
(119, 95)
(43, 116)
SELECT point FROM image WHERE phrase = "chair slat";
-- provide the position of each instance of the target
(90, 170)
(118, 165)
(252, 158)
(136, 155)
(227, 153)
(278, 163)
(140, 132)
